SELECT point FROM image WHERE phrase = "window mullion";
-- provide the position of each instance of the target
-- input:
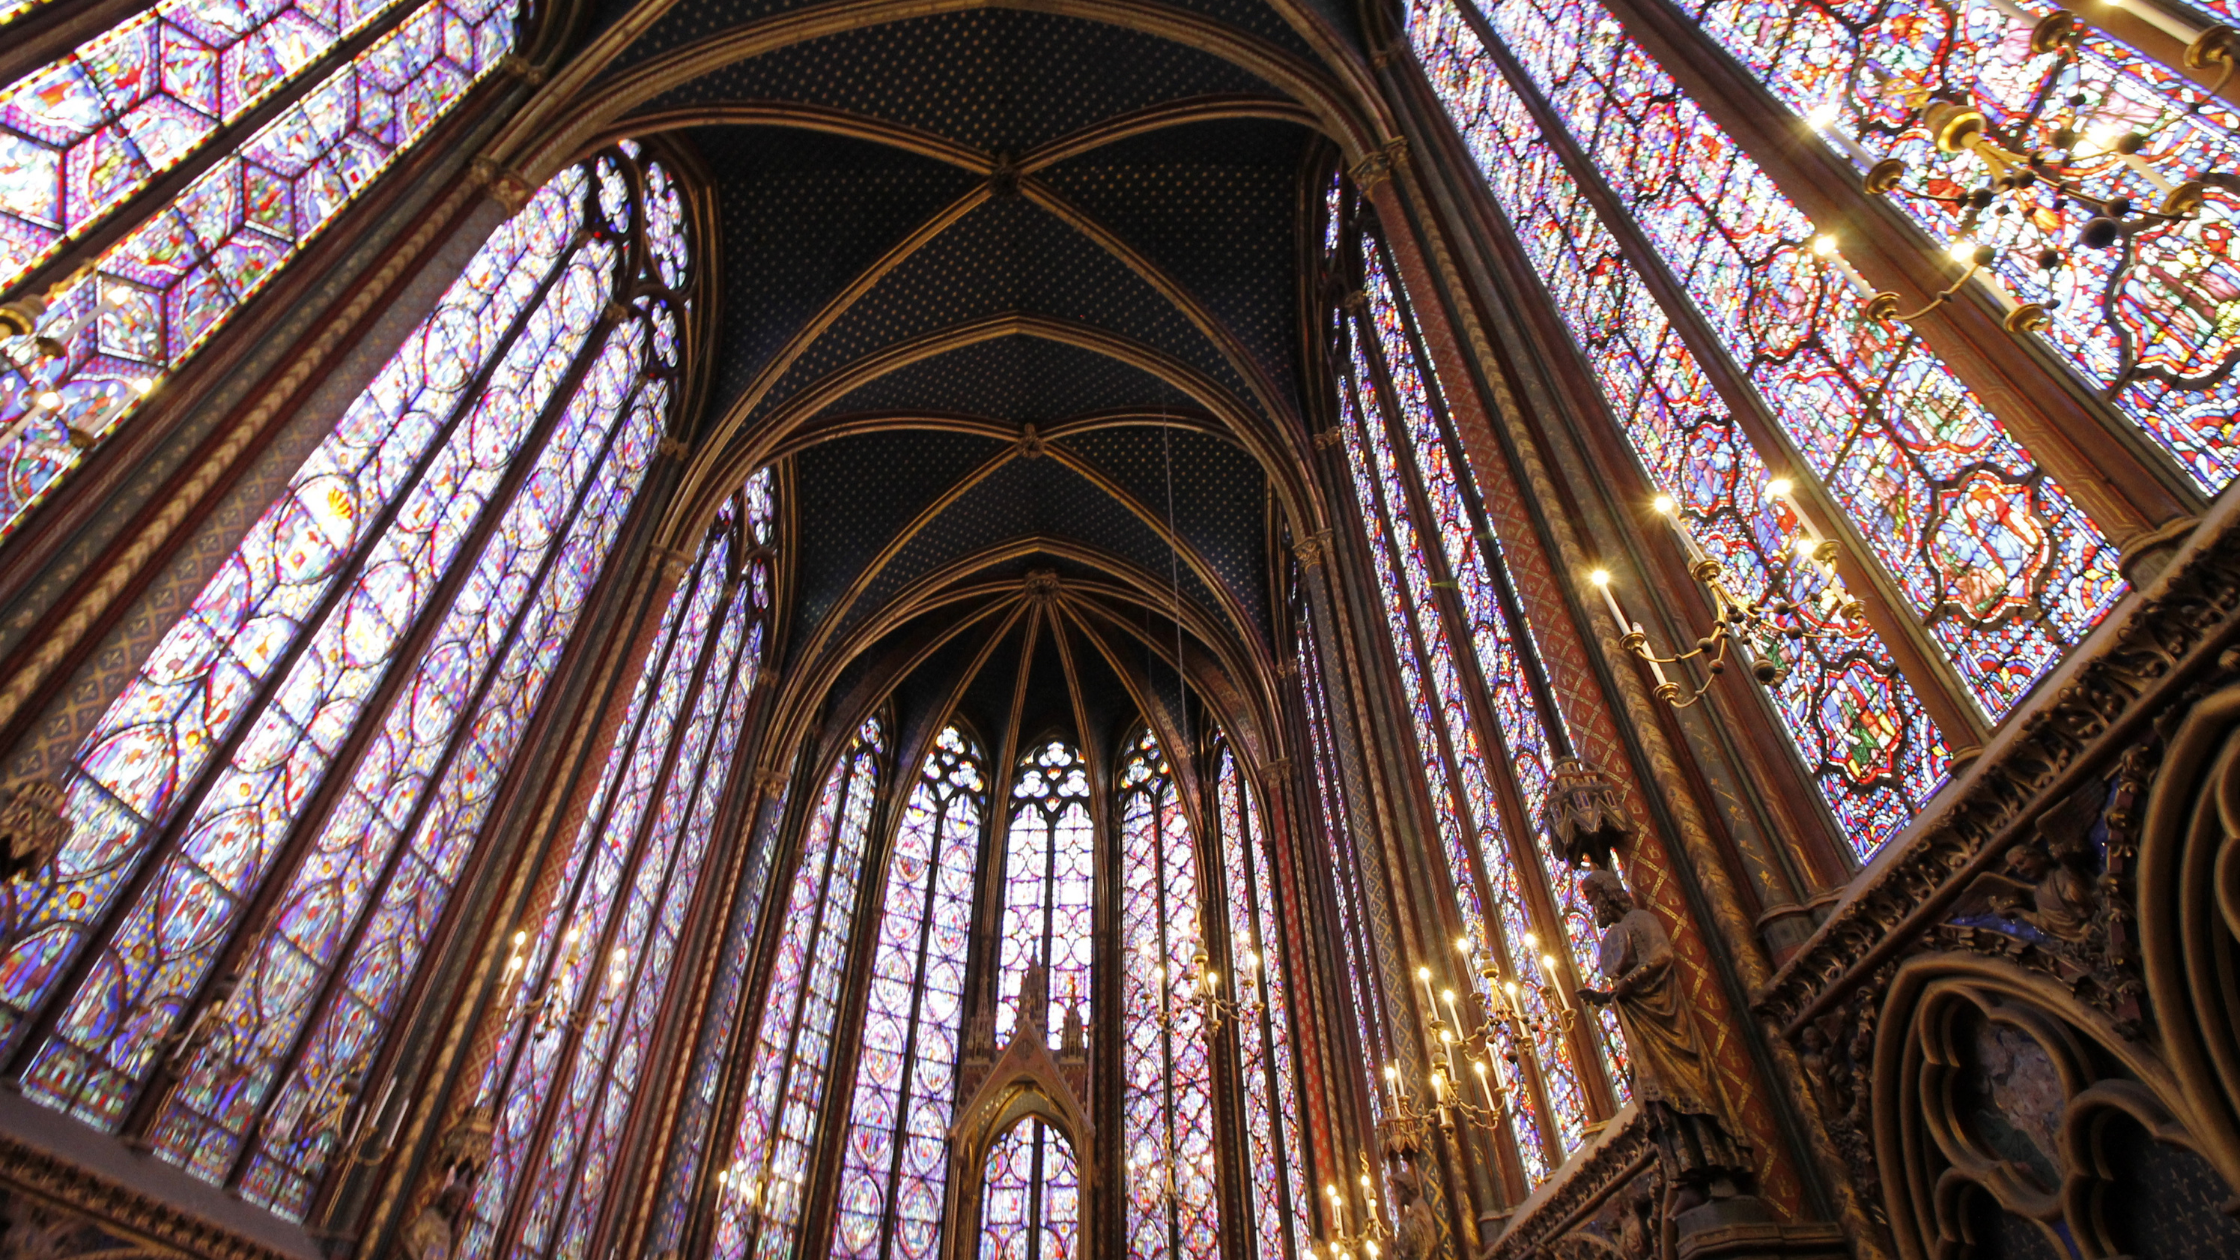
(1374, 1021)
(624, 738)
(1416, 651)
(1446, 603)
(677, 1168)
(1165, 1032)
(1515, 827)
(906, 1077)
(1947, 701)
(712, 637)
(567, 901)
(750, 929)
(1481, 524)
(1260, 916)
(184, 806)
(571, 1033)
(1543, 1126)
(709, 906)
(800, 995)
(313, 820)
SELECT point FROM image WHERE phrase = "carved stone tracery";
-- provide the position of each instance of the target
(2019, 1028)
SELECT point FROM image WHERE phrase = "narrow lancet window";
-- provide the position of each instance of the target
(895, 1155)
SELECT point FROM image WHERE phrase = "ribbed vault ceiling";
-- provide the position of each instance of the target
(1016, 296)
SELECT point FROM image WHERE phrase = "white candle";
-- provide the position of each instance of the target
(1548, 964)
(2146, 169)
(1601, 581)
(1671, 509)
(1825, 120)
(1656, 671)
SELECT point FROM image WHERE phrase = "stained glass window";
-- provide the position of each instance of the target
(1275, 1173)
(765, 1184)
(2151, 320)
(1986, 549)
(181, 87)
(1166, 1077)
(1030, 1206)
(451, 527)
(697, 1117)
(573, 970)
(1857, 723)
(662, 840)
(1049, 884)
(1490, 620)
(894, 1160)
(1471, 800)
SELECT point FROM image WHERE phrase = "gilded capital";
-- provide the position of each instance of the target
(508, 187)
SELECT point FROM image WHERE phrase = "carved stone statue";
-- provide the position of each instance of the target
(2051, 881)
(1415, 1235)
(2051, 889)
(432, 1234)
(32, 826)
(465, 1151)
(1673, 1080)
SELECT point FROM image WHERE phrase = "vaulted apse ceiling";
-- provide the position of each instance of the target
(1011, 292)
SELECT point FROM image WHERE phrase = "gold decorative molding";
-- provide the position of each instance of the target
(521, 68)
(1378, 165)
(1311, 548)
(573, 107)
(673, 561)
(1622, 1151)
(673, 448)
(112, 1206)
(508, 187)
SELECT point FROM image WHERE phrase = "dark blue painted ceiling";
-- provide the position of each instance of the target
(1186, 241)
(995, 80)
(1009, 257)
